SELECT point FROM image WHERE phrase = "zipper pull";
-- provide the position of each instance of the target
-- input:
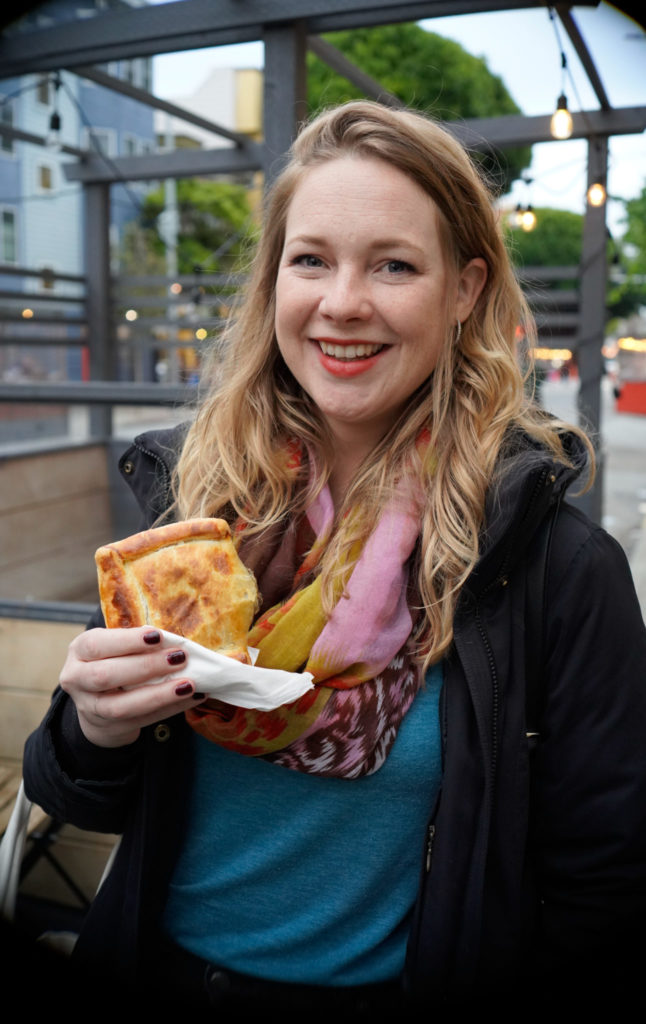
(430, 836)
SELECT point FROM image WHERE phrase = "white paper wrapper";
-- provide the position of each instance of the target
(245, 686)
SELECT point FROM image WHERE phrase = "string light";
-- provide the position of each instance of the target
(561, 123)
(528, 219)
(596, 194)
(53, 139)
(523, 216)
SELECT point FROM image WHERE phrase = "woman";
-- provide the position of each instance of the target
(368, 436)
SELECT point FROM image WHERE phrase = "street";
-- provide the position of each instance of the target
(623, 444)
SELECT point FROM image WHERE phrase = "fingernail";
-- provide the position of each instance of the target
(184, 689)
(152, 638)
(176, 658)
(199, 696)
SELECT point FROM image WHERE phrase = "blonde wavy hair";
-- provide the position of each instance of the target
(233, 460)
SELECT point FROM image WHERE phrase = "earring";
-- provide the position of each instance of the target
(458, 331)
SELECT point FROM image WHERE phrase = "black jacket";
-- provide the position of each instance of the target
(512, 887)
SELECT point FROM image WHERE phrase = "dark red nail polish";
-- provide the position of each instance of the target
(152, 638)
(176, 658)
(183, 689)
(199, 696)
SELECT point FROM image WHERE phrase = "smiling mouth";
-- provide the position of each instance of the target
(347, 353)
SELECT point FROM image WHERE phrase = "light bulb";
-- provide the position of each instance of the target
(596, 194)
(515, 218)
(561, 123)
(53, 139)
(528, 219)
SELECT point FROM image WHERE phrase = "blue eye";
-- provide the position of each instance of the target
(399, 267)
(307, 260)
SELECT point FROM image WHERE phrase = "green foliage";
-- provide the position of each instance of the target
(625, 298)
(555, 241)
(635, 234)
(426, 71)
(214, 223)
(628, 295)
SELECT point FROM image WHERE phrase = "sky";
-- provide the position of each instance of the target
(524, 49)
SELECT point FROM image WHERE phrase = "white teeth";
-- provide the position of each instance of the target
(348, 351)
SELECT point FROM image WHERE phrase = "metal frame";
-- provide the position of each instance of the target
(192, 24)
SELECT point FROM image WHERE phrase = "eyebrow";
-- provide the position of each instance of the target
(381, 244)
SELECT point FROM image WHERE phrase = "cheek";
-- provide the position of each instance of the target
(285, 323)
(288, 306)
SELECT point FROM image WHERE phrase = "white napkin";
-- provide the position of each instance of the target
(226, 679)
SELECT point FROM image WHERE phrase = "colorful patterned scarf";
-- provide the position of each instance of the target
(360, 656)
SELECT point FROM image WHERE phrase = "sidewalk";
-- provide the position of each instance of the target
(638, 567)
(623, 442)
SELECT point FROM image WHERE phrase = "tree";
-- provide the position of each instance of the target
(215, 223)
(628, 293)
(554, 242)
(427, 72)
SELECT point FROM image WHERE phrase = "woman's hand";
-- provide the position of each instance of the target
(103, 674)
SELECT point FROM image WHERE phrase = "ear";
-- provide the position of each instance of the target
(470, 283)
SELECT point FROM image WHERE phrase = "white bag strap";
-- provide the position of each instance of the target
(12, 847)
(110, 861)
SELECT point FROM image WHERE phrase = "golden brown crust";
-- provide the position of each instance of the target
(186, 578)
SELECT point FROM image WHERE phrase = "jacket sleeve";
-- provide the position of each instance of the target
(590, 770)
(72, 779)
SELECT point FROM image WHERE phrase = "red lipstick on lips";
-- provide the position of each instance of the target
(349, 368)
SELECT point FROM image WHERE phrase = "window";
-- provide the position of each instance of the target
(47, 280)
(45, 178)
(6, 117)
(147, 76)
(100, 140)
(43, 91)
(8, 244)
(129, 145)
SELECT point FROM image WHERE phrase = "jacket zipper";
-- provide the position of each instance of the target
(495, 694)
(166, 477)
(501, 580)
(430, 836)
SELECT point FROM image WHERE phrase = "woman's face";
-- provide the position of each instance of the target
(364, 300)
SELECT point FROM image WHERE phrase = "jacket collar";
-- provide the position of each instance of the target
(528, 481)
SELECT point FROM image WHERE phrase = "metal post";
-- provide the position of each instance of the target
(285, 104)
(97, 267)
(593, 316)
(170, 228)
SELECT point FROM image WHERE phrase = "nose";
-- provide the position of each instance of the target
(346, 296)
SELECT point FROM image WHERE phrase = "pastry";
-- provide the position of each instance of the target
(186, 578)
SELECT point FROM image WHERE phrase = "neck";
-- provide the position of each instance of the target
(350, 456)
